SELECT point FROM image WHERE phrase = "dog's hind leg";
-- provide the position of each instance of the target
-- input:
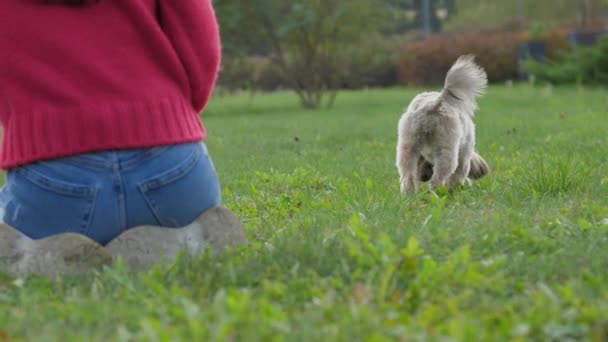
(459, 177)
(413, 179)
(446, 162)
(407, 163)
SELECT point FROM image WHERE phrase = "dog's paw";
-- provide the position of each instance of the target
(402, 188)
(439, 191)
(459, 182)
(408, 186)
(435, 183)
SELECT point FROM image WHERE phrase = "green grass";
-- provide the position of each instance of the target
(337, 254)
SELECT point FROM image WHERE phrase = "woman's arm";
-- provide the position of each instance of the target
(192, 27)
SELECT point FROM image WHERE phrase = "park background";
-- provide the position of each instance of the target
(318, 47)
(302, 129)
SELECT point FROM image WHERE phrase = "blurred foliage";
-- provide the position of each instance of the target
(369, 63)
(585, 65)
(307, 39)
(426, 61)
(475, 14)
(316, 47)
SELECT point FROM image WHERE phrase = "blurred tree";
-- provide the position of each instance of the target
(585, 10)
(305, 38)
(451, 5)
(429, 15)
(475, 14)
(589, 10)
(411, 14)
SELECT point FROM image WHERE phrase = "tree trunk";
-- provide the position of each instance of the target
(332, 98)
(585, 8)
(310, 98)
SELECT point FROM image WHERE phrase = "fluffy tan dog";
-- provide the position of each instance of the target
(437, 135)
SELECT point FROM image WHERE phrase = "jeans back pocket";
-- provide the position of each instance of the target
(40, 206)
(178, 194)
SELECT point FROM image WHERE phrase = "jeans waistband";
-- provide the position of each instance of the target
(121, 159)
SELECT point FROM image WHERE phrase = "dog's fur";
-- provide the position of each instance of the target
(437, 135)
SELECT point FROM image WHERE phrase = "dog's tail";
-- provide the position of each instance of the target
(464, 83)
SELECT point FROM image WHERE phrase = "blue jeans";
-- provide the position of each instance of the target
(100, 195)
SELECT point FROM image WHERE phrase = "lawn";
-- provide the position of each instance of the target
(336, 254)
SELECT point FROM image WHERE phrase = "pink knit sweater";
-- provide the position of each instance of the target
(115, 75)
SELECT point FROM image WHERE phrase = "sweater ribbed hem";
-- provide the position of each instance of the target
(43, 134)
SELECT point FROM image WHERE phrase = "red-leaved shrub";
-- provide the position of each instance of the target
(557, 42)
(426, 61)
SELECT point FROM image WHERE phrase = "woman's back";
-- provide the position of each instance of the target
(116, 74)
(100, 108)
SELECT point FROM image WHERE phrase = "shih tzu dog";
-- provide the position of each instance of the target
(437, 135)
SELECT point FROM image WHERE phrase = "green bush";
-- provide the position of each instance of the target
(369, 64)
(269, 76)
(251, 73)
(588, 65)
(236, 74)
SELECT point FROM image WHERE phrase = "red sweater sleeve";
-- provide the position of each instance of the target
(192, 27)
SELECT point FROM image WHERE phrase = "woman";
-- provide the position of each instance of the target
(100, 104)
